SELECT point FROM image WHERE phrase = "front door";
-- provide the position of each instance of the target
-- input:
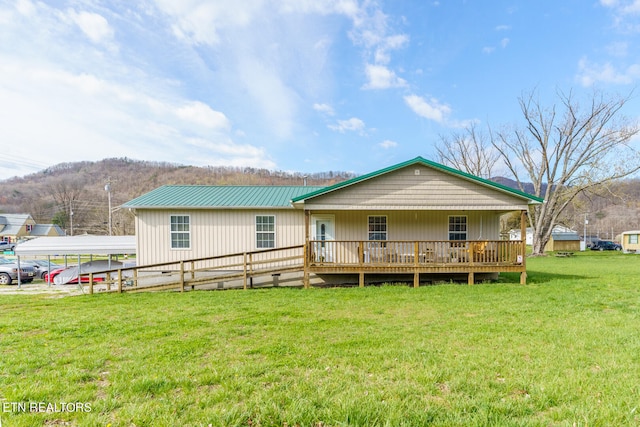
(324, 235)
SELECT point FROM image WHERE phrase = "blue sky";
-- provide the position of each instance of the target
(294, 85)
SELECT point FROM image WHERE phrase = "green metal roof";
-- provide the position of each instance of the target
(254, 196)
(425, 162)
(226, 196)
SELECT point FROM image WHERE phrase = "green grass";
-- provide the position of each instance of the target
(563, 350)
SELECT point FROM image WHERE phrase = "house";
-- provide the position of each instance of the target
(563, 241)
(416, 218)
(14, 227)
(630, 241)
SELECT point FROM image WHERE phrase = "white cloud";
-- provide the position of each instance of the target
(623, 7)
(504, 42)
(380, 77)
(351, 125)
(92, 25)
(202, 114)
(503, 27)
(430, 109)
(84, 117)
(590, 74)
(386, 144)
(488, 49)
(382, 53)
(324, 109)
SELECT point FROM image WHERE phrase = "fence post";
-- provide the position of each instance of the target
(245, 270)
(90, 283)
(181, 276)
(119, 280)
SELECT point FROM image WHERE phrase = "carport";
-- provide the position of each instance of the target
(85, 244)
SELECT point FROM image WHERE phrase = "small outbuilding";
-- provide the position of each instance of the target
(563, 241)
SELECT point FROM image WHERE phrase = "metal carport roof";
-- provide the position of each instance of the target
(85, 244)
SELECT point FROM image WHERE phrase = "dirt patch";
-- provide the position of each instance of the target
(41, 288)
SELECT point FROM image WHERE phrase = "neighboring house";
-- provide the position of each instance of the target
(14, 227)
(630, 241)
(563, 241)
(416, 217)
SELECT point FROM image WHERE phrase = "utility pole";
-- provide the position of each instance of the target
(107, 188)
(71, 216)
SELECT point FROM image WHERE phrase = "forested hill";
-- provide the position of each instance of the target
(50, 194)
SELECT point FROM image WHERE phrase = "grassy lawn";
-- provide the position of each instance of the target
(563, 350)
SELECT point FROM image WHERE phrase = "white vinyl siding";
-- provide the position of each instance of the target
(213, 232)
(265, 231)
(410, 226)
(428, 190)
(180, 231)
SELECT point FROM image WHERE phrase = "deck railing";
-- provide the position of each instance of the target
(410, 253)
(330, 256)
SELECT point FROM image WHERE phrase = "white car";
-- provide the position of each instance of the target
(6, 246)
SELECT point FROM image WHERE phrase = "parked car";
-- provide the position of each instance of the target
(9, 272)
(74, 281)
(6, 246)
(605, 245)
(41, 267)
(69, 275)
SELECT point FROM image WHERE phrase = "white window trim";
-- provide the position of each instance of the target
(386, 223)
(171, 233)
(449, 223)
(255, 226)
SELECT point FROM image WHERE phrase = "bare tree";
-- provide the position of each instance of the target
(470, 151)
(566, 150)
(562, 151)
(66, 191)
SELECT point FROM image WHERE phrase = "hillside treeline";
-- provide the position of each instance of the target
(50, 195)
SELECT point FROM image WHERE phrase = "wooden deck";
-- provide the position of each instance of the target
(416, 257)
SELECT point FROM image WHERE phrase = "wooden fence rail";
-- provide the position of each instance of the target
(199, 271)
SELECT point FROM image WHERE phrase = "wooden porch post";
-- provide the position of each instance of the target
(523, 238)
(472, 279)
(306, 252)
(416, 264)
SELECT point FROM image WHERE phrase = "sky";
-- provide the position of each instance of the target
(291, 85)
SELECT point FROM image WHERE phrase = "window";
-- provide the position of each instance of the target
(265, 231)
(457, 228)
(29, 228)
(180, 232)
(633, 239)
(377, 228)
